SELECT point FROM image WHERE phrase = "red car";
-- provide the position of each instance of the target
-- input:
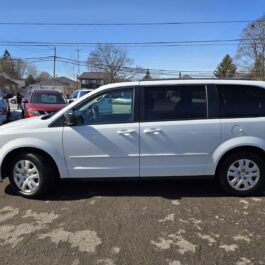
(43, 102)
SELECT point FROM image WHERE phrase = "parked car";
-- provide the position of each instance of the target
(156, 129)
(78, 94)
(42, 102)
(4, 109)
(13, 100)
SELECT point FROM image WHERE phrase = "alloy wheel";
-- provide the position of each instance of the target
(243, 175)
(26, 176)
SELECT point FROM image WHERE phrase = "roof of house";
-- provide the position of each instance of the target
(59, 81)
(8, 76)
(93, 75)
(65, 80)
(47, 83)
(5, 81)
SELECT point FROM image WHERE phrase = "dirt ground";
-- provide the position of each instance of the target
(134, 222)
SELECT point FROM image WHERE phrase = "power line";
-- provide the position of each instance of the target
(129, 24)
(122, 43)
(32, 58)
(126, 46)
(160, 72)
(129, 44)
(84, 63)
(168, 72)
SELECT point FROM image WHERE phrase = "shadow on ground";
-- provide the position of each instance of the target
(170, 189)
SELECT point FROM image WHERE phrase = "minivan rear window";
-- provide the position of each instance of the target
(237, 101)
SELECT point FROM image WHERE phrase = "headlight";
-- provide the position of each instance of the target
(33, 111)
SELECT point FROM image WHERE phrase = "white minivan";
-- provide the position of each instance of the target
(78, 94)
(157, 129)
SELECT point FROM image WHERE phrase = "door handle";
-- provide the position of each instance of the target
(126, 132)
(152, 130)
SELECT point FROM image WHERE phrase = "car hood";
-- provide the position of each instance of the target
(30, 123)
(46, 107)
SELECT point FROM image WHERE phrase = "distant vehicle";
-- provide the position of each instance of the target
(43, 102)
(4, 108)
(78, 94)
(13, 100)
(4, 111)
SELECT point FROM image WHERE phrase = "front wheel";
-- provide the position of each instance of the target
(30, 175)
(242, 174)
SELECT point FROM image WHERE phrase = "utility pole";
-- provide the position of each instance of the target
(179, 75)
(54, 63)
(78, 67)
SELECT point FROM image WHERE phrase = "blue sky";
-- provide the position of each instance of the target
(176, 58)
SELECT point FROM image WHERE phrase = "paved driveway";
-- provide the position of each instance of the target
(148, 222)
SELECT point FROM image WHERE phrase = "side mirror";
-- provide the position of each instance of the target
(69, 118)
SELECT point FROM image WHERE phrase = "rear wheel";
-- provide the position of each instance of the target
(242, 174)
(31, 175)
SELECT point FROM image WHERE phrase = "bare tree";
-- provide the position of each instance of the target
(251, 49)
(17, 68)
(43, 76)
(113, 60)
(24, 69)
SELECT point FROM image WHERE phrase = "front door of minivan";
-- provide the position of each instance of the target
(176, 136)
(104, 142)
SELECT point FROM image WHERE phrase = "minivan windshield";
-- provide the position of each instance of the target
(83, 92)
(47, 98)
(74, 95)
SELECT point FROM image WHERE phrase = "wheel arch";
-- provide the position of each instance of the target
(248, 148)
(248, 143)
(34, 150)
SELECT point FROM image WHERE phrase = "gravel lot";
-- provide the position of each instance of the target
(134, 222)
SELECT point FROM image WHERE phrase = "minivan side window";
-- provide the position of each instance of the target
(163, 103)
(115, 106)
(241, 101)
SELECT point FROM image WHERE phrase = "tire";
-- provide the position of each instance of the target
(242, 174)
(31, 176)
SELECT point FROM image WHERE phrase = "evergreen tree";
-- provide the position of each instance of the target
(7, 64)
(147, 75)
(30, 80)
(226, 69)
